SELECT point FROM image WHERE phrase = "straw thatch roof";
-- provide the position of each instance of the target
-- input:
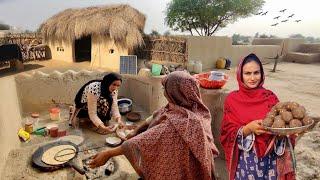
(122, 23)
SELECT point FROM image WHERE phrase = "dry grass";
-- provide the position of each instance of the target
(122, 23)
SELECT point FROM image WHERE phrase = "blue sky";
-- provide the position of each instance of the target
(29, 14)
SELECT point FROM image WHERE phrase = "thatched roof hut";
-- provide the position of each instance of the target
(100, 35)
(121, 23)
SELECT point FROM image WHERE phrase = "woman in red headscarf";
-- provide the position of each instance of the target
(178, 143)
(251, 152)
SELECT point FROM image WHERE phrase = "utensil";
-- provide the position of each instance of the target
(38, 163)
(125, 105)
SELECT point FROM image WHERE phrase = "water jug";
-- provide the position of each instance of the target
(197, 67)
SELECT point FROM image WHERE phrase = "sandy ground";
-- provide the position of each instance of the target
(294, 82)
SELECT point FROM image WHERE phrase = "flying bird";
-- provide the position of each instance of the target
(274, 24)
(291, 16)
(276, 17)
(298, 20)
(264, 13)
(284, 20)
(259, 13)
(283, 10)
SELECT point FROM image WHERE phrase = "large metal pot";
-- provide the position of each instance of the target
(125, 105)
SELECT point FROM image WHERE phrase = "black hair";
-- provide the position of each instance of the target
(107, 81)
(105, 84)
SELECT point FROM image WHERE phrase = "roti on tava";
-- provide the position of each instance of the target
(58, 154)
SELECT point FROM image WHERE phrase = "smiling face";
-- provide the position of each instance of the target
(114, 85)
(251, 74)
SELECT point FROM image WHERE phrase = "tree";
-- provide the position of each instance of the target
(154, 33)
(167, 33)
(235, 39)
(300, 36)
(4, 26)
(205, 17)
(238, 39)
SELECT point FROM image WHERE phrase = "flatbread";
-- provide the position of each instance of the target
(68, 152)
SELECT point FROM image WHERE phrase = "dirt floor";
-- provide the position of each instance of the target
(291, 82)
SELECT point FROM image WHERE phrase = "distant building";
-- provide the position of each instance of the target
(97, 34)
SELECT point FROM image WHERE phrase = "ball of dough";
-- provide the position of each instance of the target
(267, 122)
(299, 112)
(286, 116)
(291, 105)
(295, 123)
(307, 120)
(279, 124)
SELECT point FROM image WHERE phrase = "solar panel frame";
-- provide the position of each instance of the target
(128, 64)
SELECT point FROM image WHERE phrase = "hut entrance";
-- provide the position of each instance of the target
(82, 49)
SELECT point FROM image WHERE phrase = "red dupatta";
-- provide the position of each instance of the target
(240, 108)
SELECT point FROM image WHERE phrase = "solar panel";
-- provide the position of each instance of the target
(128, 64)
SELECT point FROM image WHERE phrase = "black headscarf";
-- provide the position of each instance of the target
(105, 84)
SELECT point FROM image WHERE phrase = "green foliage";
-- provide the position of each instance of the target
(238, 39)
(154, 33)
(206, 16)
(4, 26)
(266, 36)
(300, 36)
(308, 39)
(167, 33)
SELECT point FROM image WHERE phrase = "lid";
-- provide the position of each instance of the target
(28, 123)
(54, 110)
(35, 115)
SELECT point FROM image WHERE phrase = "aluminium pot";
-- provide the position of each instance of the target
(125, 105)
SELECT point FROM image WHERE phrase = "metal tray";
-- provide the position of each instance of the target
(289, 131)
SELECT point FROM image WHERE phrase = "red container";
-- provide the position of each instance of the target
(53, 132)
(204, 81)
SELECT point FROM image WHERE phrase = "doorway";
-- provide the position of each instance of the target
(82, 49)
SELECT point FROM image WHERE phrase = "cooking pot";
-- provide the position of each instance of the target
(125, 105)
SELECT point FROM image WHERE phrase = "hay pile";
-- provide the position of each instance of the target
(164, 48)
(121, 23)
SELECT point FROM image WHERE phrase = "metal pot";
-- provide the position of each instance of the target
(125, 105)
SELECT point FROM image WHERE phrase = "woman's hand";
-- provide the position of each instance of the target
(120, 122)
(254, 127)
(102, 129)
(100, 159)
(132, 134)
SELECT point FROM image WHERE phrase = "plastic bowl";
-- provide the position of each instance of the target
(204, 81)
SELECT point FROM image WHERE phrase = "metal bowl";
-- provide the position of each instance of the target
(125, 105)
(289, 131)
